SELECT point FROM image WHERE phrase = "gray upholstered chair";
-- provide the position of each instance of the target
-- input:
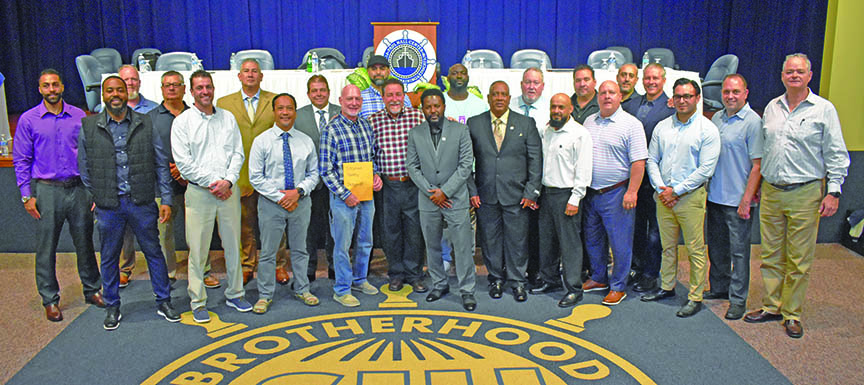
(602, 59)
(628, 54)
(664, 56)
(109, 57)
(90, 70)
(367, 53)
(330, 58)
(264, 58)
(176, 61)
(142, 51)
(713, 83)
(484, 58)
(527, 58)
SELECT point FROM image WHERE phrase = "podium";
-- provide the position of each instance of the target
(410, 47)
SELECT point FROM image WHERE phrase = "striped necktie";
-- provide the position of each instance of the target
(287, 162)
(322, 120)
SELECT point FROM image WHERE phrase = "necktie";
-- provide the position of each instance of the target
(322, 120)
(287, 163)
(527, 109)
(498, 131)
(250, 109)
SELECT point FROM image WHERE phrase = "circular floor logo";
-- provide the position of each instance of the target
(411, 56)
(403, 347)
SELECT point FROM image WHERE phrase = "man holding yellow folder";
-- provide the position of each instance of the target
(348, 168)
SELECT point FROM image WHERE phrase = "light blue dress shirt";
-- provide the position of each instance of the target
(682, 155)
(266, 167)
(741, 141)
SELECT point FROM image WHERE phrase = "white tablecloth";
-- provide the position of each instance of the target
(294, 82)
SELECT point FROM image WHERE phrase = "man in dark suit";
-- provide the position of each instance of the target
(311, 119)
(508, 167)
(439, 162)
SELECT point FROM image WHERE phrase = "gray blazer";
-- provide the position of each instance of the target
(447, 168)
(515, 172)
(306, 122)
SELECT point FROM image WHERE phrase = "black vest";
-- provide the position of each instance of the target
(102, 165)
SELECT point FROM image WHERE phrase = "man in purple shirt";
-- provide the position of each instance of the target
(46, 169)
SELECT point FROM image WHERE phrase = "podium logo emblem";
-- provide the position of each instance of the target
(411, 56)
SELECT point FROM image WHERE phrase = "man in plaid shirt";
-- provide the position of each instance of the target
(349, 139)
(403, 243)
(378, 69)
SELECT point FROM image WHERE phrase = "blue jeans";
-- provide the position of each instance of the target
(343, 220)
(142, 220)
(605, 217)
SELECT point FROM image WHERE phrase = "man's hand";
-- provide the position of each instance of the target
(630, 199)
(289, 200)
(175, 172)
(246, 191)
(668, 197)
(221, 189)
(377, 183)
(352, 200)
(829, 206)
(30, 206)
(475, 201)
(744, 209)
(439, 199)
(571, 210)
(164, 213)
(527, 203)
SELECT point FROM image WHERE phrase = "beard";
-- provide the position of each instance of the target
(558, 123)
(115, 111)
(53, 98)
(378, 82)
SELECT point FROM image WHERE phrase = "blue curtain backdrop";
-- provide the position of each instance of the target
(37, 34)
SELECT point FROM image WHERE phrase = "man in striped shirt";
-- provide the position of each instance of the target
(619, 164)
(403, 244)
(349, 139)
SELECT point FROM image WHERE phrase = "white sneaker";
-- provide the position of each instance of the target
(366, 288)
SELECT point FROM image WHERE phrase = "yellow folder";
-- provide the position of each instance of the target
(358, 179)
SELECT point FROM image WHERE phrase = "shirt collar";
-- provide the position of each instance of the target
(126, 118)
(504, 117)
(253, 97)
(677, 123)
(811, 98)
(316, 109)
(42, 110)
(660, 99)
(740, 114)
(612, 118)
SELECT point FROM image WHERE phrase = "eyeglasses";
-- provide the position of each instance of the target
(169, 85)
(683, 97)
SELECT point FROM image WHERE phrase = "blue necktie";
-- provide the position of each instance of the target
(322, 121)
(527, 108)
(287, 163)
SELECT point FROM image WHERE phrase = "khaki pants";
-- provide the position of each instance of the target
(789, 223)
(688, 217)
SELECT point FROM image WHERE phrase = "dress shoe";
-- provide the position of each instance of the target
(715, 295)
(570, 299)
(211, 282)
(112, 318)
(614, 298)
(395, 284)
(689, 309)
(645, 284)
(282, 276)
(52, 313)
(419, 287)
(519, 293)
(794, 328)
(735, 312)
(545, 287)
(436, 294)
(247, 276)
(592, 285)
(167, 310)
(469, 302)
(496, 289)
(761, 316)
(95, 300)
(658, 295)
(124, 280)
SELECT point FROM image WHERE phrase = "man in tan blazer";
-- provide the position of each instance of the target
(251, 107)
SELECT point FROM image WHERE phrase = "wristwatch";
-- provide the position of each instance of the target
(25, 198)
(301, 191)
(835, 194)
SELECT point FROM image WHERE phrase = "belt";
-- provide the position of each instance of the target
(610, 188)
(71, 182)
(399, 178)
(790, 187)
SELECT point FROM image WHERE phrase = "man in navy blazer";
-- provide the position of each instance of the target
(506, 183)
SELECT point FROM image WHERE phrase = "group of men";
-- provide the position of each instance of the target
(551, 180)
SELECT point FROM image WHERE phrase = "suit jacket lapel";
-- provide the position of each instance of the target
(509, 129)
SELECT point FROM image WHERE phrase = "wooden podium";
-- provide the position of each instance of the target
(419, 46)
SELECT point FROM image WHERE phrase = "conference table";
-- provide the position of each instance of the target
(294, 81)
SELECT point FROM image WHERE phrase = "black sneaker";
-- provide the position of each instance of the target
(112, 318)
(167, 310)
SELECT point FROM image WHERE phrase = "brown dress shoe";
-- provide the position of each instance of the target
(794, 328)
(95, 300)
(614, 298)
(247, 276)
(52, 313)
(760, 315)
(282, 275)
(124, 279)
(211, 282)
(592, 285)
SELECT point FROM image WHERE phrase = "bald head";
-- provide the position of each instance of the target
(608, 98)
(560, 109)
(457, 76)
(351, 101)
(627, 77)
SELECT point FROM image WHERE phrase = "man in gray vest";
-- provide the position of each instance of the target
(122, 161)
